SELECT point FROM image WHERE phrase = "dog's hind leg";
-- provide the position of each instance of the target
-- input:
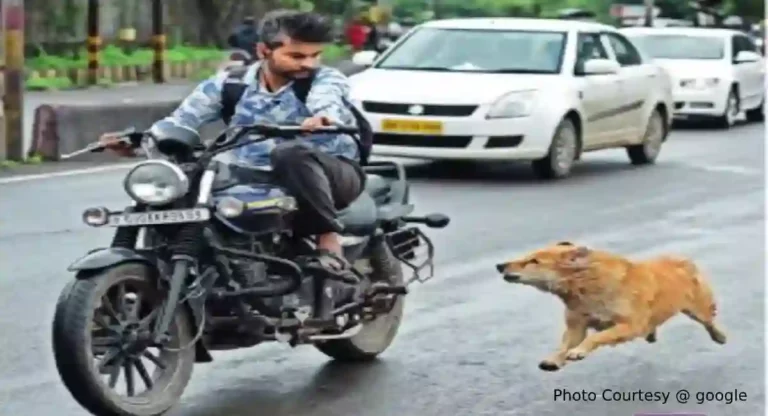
(702, 309)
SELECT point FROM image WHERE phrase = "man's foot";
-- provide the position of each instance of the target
(336, 265)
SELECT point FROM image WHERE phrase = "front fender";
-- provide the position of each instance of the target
(107, 257)
(103, 258)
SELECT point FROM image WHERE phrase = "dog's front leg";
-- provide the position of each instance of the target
(575, 332)
(621, 332)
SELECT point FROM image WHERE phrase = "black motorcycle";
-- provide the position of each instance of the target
(204, 260)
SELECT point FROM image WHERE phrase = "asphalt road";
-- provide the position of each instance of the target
(470, 343)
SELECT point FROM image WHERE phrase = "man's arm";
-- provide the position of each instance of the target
(202, 105)
(330, 89)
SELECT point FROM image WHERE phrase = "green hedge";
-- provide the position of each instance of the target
(115, 56)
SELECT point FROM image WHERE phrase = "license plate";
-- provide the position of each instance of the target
(173, 216)
(412, 126)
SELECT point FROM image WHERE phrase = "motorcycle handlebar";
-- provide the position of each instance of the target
(133, 138)
(293, 130)
(268, 131)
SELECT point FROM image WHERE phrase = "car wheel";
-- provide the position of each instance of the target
(562, 153)
(728, 119)
(757, 114)
(647, 152)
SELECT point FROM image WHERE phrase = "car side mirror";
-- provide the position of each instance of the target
(600, 67)
(746, 56)
(364, 58)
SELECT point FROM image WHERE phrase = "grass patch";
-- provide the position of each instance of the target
(32, 160)
(114, 56)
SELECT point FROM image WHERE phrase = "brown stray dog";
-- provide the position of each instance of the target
(621, 299)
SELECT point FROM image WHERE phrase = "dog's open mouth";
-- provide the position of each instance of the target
(511, 277)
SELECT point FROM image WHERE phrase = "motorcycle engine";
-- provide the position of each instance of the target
(249, 273)
(253, 273)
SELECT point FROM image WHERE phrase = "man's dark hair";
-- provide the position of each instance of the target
(300, 26)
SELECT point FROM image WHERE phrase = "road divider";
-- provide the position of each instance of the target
(62, 129)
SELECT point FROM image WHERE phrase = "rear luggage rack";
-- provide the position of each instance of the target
(415, 250)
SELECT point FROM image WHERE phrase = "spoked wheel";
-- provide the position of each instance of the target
(103, 346)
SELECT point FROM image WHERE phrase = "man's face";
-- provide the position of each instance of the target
(292, 59)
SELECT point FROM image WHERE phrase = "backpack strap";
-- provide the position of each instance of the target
(233, 89)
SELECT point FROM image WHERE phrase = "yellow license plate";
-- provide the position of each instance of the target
(412, 126)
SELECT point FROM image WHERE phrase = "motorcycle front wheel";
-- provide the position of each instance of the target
(103, 349)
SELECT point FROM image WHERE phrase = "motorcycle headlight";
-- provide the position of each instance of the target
(156, 182)
(513, 104)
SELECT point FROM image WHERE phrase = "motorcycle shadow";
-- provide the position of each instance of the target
(334, 387)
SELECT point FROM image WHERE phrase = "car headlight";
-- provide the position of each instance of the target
(512, 104)
(156, 182)
(700, 83)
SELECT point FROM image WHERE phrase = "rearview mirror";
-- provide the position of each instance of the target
(746, 56)
(364, 58)
(600, 67)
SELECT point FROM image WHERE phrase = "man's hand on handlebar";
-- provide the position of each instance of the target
(313, 123)
(117, 144)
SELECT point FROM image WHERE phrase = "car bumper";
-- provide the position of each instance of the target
(699, 103)
(468, 138)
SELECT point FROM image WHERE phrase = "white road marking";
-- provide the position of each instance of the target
(738, 170)
(73, 172)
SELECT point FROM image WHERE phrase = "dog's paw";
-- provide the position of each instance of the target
(576, 354)
(550, 365)
(718, 336)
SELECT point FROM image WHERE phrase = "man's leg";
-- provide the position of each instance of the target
(322, 185)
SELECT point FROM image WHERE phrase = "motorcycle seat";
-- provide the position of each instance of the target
(360, 218)
(376, 186)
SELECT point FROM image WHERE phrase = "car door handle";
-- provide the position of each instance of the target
(651, 76)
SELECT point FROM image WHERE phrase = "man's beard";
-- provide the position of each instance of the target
(289, 75)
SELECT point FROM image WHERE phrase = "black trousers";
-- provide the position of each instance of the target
(321, 183)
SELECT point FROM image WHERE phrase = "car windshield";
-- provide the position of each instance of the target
(482, 51)
(681, 46)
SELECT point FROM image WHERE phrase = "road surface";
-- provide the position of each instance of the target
(470, 343)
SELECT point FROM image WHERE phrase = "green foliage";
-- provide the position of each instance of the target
(115, 56)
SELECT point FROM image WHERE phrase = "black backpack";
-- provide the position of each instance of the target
(234, 88)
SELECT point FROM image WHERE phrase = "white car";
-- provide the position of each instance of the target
(513, 89)
(717, 73)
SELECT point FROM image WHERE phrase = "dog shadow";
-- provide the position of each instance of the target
(332, 382)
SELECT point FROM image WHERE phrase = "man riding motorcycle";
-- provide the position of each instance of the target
(321, 171)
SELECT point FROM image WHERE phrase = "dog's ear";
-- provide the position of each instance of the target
(565, 243)
(578, 258)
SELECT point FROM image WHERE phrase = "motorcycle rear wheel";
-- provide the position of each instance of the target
(92, 334)
(377, 335)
